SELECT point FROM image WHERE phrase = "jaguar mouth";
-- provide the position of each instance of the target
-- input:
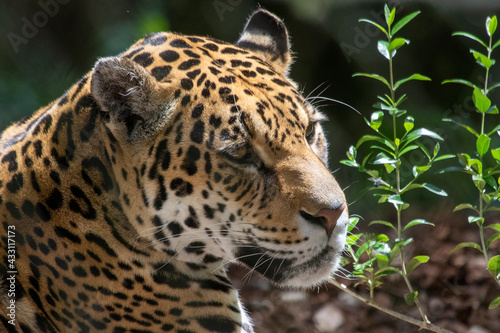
(284, 270)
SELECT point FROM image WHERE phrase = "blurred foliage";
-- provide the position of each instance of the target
(325, 34)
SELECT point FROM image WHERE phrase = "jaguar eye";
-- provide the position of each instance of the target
(239, 152)
(242, 154)
(310, 131)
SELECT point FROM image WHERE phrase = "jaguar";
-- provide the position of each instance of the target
(123, 202)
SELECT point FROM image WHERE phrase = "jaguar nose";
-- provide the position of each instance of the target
(326, 217)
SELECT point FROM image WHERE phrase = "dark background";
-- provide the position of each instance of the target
(47, 45)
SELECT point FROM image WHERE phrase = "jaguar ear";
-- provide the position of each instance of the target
(266, 35)
(137, 104)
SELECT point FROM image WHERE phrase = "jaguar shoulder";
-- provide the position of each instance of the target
(123, 201)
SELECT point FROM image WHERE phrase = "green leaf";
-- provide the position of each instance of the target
(482, 144)
(481, 59)
(409, 123)
(479, 182)
(413, 135)
(389, 15)
(497, 128)
(415, 262)
(383, 49)
(375, 24)
(395, 200)
(464, 206)
(382, 158)
(491, 25)
(397, 43)
(495, 226)
(471, 36)
(387, 271)
(417, 222)
(468, 128)
(367, 138)
(460, 81)
(401, 23)
(481, 102)
(467, 244)
(434, 189)
(387, 224)
(413, 77)
(444, 157)
(418, 170)
(350, 163)
(375, 77)
(376, 119)
(410, 298)
(407, 149)
(494, 266)
(352, 153)
(475, 219)
(496, 85)
(492, 238)
(494, 303)
(382, 260)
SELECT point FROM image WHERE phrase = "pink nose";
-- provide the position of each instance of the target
(326, 217)
(329, 218)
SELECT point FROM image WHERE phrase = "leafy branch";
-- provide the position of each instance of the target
(482, 173)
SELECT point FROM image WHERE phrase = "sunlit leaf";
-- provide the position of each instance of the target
(481, 59)
(375, 24)
(417, 222)
(396, 43)
(352, 153)
(376, 119)
(481, 102)
(475, 219)
(495, 303)
(375, 77)
(495, 226)
(493, 238)
(387, 271)
(418, 170)
(409, 123)
(434, 189)
(413, 135)
(380, 222)
(494, 266)
(479, 182)
(382, 158)
(395, 200)
(460, 81)
(482, 144)
(464, 206)
(444, 157)
(418, 77)
(382, 261)
(350, 163)
(407, 149)
(467, 244)
(491, 25)
(383, 49)
(401, 23)
(471, 36)
(415, 262)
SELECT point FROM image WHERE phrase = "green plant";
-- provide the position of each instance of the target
(382, 163)
(483, 168)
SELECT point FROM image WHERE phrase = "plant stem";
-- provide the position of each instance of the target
(421, 324)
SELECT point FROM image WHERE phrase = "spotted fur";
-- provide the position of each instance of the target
(130, 194)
